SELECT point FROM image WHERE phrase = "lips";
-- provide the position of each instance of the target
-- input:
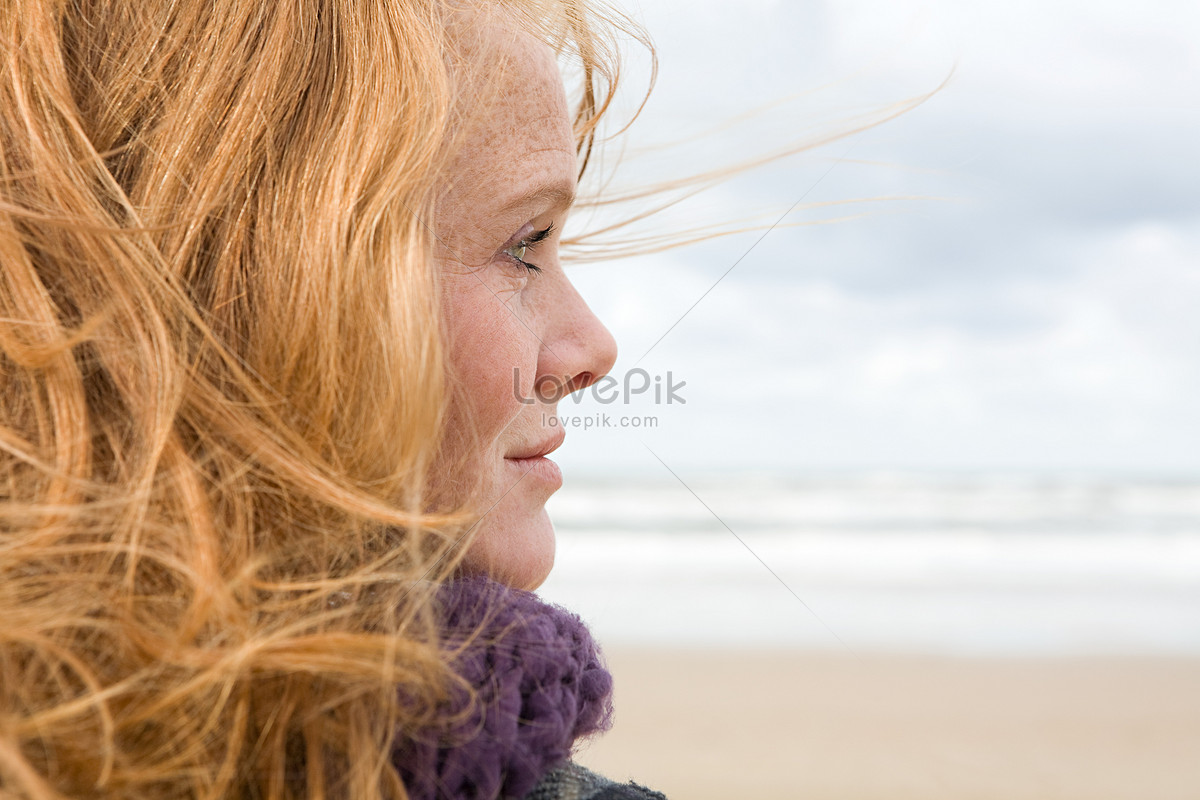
(542, 448)
(532, 464)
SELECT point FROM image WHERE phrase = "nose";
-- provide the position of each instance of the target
(577, 350)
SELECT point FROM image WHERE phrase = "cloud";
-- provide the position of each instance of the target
(1036, 309)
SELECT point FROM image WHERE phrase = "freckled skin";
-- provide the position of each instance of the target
(499, 317)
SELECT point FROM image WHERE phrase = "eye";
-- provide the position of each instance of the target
(517, 253)
(519, 250)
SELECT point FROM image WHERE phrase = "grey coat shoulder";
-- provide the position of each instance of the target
(573, 782)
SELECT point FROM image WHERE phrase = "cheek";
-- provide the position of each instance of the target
(490, 352)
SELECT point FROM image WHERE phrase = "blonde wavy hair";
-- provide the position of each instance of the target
(224, 388)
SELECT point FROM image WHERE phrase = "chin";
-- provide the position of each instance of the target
(515, 550)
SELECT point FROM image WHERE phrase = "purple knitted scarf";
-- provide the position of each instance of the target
(541, 686)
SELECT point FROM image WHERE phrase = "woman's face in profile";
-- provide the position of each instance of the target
(520, 336)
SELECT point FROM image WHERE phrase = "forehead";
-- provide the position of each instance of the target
(515, 132)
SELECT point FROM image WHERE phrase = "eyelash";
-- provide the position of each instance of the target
(532, 240)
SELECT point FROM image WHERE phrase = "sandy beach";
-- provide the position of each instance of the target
(702, 725)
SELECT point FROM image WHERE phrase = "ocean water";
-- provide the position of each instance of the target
(943, 564)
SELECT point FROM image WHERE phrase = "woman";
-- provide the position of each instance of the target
(282, 320)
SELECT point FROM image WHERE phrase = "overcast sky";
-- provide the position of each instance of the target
(1030, 299)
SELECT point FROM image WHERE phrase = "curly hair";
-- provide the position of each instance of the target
(224, 387)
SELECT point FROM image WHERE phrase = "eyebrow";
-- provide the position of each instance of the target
(558, 195)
